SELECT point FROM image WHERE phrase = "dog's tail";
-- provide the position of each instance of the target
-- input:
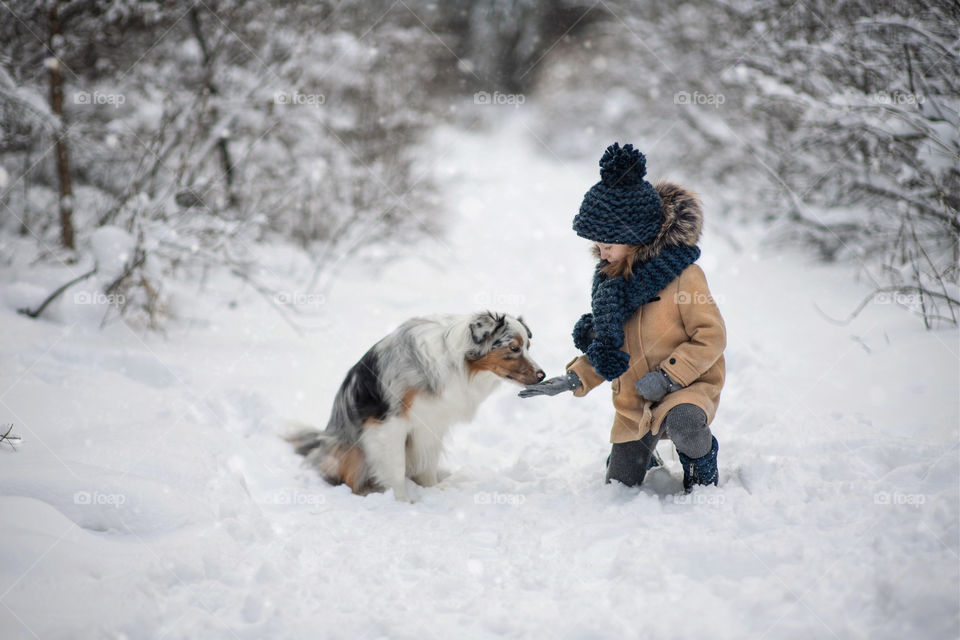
(337, 462)
(306, 440)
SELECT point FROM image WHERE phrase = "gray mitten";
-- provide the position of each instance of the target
(553, 386)
(656, 384)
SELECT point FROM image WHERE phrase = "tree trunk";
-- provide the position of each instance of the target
(56, 106)
(224, 152)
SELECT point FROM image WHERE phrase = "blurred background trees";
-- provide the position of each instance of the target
(206, 129)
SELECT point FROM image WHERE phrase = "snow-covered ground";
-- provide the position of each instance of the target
(151, 496)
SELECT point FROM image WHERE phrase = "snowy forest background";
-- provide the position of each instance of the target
(201, 128)
(210, 209)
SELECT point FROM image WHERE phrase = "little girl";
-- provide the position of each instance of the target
(655, 330)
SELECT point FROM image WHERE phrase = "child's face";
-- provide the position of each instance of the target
(613, 252)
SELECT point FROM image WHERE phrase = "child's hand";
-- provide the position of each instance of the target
(552, 387)
(656, 384)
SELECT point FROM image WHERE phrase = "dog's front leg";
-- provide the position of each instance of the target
(384, 446)
(423, 456)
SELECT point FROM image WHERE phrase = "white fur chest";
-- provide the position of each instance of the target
(458, 402)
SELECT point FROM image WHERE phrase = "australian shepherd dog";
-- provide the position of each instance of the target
(396, 404)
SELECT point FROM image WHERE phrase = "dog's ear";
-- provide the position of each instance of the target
(529, 333)
(483, 327)
(485, 324)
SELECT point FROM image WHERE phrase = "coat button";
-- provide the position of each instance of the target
(673, 361)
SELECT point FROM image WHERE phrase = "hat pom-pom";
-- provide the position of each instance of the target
(622, 166)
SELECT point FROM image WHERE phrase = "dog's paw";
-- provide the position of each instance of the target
(401, 495)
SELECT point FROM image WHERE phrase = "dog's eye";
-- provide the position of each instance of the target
(514, 348)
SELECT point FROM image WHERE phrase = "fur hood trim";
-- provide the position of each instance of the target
(682, 220)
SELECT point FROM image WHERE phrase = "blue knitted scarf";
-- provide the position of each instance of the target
(614, 301)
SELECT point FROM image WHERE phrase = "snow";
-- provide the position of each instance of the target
(112, 249)
(151, 495)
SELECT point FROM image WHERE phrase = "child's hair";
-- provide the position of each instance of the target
(621, 267)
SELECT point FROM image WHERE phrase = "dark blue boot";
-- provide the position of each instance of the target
(702, 470)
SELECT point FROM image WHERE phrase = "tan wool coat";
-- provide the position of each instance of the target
(680, 332)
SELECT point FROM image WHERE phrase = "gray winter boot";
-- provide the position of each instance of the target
(629, 462)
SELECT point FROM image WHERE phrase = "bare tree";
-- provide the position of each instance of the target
(53, 63)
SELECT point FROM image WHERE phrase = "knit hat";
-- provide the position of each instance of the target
(622, 208)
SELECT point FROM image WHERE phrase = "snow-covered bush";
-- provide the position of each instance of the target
(848, 110)
(205, 129)
(859, 101)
